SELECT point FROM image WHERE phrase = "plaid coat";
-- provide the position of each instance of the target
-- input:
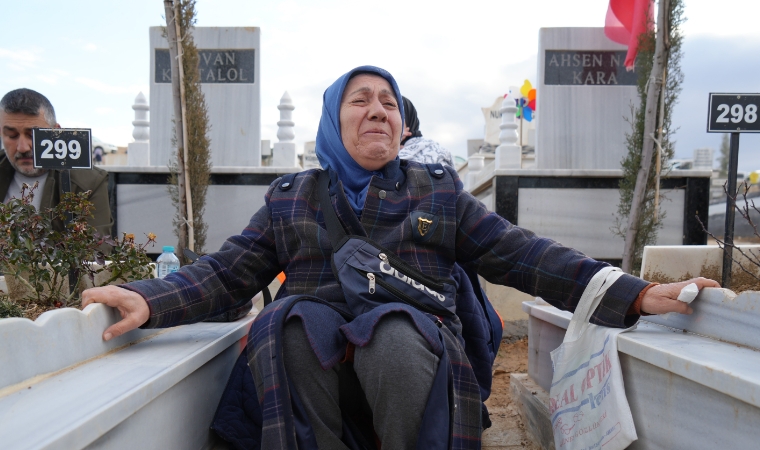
(288, 234)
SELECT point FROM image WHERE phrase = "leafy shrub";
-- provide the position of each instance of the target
(43, 250)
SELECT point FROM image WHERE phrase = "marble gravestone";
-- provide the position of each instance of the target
(230, 76)
(584, 97)
(492, 116)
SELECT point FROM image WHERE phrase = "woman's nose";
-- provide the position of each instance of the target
(377, 112)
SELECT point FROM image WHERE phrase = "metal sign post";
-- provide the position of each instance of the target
(735, 114)
(63, 149)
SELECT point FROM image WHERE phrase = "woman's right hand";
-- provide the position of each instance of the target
(132, 306)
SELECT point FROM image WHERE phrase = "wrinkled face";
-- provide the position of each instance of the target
(16, 129)
(370, 121)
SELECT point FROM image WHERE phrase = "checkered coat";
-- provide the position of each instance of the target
(288, 234)
(296, 242)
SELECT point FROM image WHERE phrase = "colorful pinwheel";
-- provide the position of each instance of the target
(525, 100)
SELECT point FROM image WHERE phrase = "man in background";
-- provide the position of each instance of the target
(21, 110)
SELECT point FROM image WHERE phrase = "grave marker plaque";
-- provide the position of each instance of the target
(62, 148)
(214, 65)
(587, 68)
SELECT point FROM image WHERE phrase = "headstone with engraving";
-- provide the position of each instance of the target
(584, 97)
(229, 61)
(492, 116)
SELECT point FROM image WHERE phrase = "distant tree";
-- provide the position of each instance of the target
(191, 171)
(199, 161)
(725, 151)
(649, 219)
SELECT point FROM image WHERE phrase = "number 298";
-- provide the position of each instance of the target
(738, 113)
(73, 149)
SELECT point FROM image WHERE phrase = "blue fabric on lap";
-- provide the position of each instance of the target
(322, 330)
(359, 331)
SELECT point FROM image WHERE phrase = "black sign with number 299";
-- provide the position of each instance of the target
(62, 148)
(733, 113)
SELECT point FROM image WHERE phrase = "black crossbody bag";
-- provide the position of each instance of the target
(371, 275)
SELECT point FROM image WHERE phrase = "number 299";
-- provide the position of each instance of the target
(73, 150)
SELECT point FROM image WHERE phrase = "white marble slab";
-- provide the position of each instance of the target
(148, 208)
(100, 386)
(724, 367)
(57, 339)
(215, 169)
(234, 109)
(592, 173)
(582, 218)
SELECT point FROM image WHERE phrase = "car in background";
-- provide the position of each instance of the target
(104, 146)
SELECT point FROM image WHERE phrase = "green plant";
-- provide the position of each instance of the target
(196, 171)
(49, 251)
(9, 309)
(39, 254)
(128, 260)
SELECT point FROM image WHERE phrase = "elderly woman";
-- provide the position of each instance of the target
(320, 358)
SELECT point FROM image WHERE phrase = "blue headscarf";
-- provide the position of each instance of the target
(330, 150)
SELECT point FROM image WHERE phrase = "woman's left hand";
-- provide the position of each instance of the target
(663, 298)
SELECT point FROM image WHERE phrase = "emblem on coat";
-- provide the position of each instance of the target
(423, 225)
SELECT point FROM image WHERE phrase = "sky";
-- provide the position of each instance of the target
(91, 57)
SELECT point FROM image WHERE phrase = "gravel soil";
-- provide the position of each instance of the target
(508, 430)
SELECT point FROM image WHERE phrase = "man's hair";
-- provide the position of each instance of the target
(29, 102)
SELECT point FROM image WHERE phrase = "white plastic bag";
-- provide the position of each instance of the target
(588, 406)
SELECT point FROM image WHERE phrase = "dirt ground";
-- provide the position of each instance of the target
(507, 431)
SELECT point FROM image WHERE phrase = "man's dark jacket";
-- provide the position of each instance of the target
(95, 180)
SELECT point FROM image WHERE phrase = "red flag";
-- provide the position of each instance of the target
(626, 21)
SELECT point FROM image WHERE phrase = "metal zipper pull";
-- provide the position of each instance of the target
(383, 257)
(371, 277)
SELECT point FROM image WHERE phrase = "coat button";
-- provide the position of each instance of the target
(381, 194)
(398, 185)
(438, 172)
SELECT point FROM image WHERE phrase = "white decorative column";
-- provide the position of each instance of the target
(284, 151)
(508, 153)
(138, 152)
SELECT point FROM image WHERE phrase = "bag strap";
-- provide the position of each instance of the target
(590, 299)
(335, 230)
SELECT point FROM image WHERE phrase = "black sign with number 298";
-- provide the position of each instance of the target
(62, 148)
(733, 113)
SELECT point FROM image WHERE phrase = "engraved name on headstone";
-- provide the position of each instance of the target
(215, 65)
(587, 67)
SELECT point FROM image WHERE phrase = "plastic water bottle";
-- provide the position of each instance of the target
(167, 262)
